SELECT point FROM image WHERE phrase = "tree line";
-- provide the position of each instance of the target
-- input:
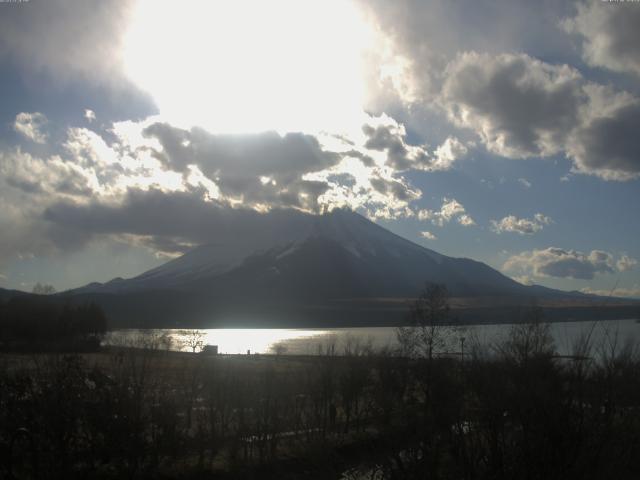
(42, 323)
(512, 410)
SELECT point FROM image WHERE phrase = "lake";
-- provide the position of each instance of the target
(313, 341)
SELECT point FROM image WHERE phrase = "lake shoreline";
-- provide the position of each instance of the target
(317, 341)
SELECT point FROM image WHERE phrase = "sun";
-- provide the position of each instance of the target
(245, 66)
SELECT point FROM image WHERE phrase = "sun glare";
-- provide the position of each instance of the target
(244, 66)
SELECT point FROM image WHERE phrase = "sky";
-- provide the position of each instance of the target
(503, 131)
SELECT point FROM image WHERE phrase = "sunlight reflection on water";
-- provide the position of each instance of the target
(309, 341)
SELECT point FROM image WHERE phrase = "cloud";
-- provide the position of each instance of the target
(561, 263)
(239, 163)
(626, 263)
(520, 106)
(523, 226)
(517, 104)
(143, 213)
(23, 233)
(66, 39)
(85, 168)
(172, 222)
(446, 154)
(30, 126)
(526, 183)
(95, 174)
(421, 36)
(89, 115)
(523, 279)
(400, 155)
(359, 184)
(451, 209)
(609, 33)
(632, 292)
(386, 135)
(267, 153)
(397, 189)
(52, 176)
(428, 235)
(608, 146)
(466, 220)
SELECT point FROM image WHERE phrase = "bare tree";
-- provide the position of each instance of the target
(529, 339)
(279, 348)
(429, 329)
(193, 339)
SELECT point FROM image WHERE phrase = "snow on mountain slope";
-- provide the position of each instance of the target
(339, 253)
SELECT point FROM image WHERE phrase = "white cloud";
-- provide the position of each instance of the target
(383, 134)
(356, 183)
(466, 220)
(523, 279)
(428, 235)
(523, 226)
(450, 209)
(51, 176)
(30, 125)
(526, 183)
(446, 154)
(626, 263)
(562, 263)
(89, 115)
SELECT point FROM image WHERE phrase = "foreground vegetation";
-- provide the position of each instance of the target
(515, 410)
(38, 323)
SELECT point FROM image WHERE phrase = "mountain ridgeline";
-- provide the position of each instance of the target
(338, 255)
(287, 268)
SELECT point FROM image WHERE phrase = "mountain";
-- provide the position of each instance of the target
(336, 255)
(293, 269)
(8, 294)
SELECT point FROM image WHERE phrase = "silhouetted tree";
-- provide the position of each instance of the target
(43, 289)
(428, 331)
